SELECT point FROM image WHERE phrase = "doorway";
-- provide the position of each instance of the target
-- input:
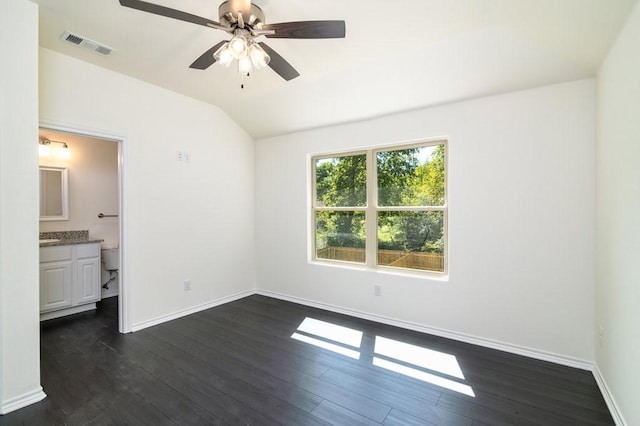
(95, 163)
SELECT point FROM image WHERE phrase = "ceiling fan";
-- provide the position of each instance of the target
(245, 22)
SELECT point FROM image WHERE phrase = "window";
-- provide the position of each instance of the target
(382, 207)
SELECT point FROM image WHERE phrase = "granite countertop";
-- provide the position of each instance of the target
(67, 238)
(69, 242)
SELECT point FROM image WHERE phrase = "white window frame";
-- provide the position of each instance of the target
(371, 209)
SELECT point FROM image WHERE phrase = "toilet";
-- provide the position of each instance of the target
(110, 266)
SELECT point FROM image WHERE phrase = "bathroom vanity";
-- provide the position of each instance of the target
(69, 273)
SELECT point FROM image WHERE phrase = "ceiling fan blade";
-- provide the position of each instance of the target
(206, 59)
(279, 65)
(307, 29)
(172, 13)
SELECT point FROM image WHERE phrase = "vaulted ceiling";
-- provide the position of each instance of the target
(396, 56)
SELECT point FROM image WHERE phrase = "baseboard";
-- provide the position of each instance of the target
(461, 337)
(608, 397)
(107, 296)
(112, 292)
(67, 311)
(22, 401)
(178, 314)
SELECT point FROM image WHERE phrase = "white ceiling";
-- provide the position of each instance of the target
(396, 56)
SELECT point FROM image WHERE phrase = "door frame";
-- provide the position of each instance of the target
(124, 291)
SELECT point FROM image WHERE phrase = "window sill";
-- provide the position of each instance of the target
(431, 276)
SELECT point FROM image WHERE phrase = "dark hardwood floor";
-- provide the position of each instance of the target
(238, 364)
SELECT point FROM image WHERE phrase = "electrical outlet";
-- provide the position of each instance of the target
(179, 155)
(187, 285)
(377, 290)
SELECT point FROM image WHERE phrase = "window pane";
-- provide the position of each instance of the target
(341, 181)
(411, 177)
(340, 236)
(413, 240)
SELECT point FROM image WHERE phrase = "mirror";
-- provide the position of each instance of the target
(54, 193)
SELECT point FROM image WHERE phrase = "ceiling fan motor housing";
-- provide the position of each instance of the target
(229, 17)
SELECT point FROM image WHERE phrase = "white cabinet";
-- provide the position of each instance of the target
(69, 279)
(87, 274)
(87, 269)
(55, 285)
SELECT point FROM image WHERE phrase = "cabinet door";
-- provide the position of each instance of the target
(87, 285)
(55, 285)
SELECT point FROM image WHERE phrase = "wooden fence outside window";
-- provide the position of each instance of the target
(394, 258)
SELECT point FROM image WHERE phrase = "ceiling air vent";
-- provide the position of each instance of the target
(81, 41)
(73, 39)
(103, 49)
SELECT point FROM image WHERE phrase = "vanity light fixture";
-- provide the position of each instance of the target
(45, 148)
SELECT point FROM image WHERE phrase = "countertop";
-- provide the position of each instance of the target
(71, 242)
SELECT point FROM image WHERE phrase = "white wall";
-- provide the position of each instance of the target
(522, 217)
(19, 319)
(93, 185)
(618, 226)
(185, 220)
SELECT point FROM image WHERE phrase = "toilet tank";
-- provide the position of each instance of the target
(111, 258)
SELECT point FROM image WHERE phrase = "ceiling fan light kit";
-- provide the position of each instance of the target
(248, 53)
(224, 55)
(238, 46)
(246, 22)
(259, 57)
